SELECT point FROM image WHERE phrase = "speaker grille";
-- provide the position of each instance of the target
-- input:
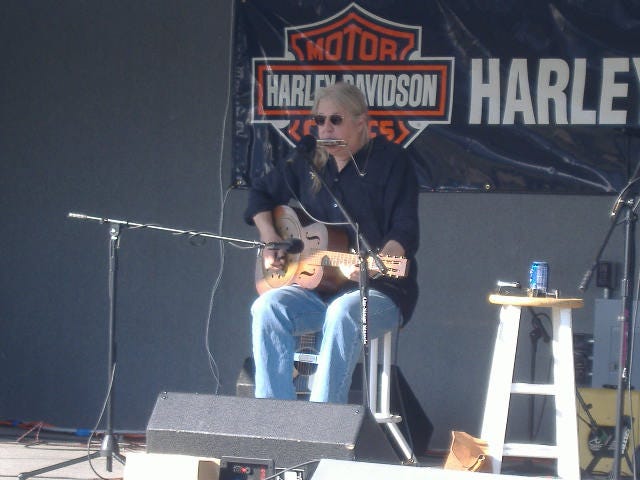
(289, 432)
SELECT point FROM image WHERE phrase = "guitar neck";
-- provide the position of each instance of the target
(396, 266)
(327, 258)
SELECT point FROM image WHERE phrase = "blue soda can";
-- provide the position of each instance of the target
(538, 278)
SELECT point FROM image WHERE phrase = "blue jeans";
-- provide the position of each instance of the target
(281, 314)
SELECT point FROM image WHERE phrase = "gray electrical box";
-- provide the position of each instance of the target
(606, 345)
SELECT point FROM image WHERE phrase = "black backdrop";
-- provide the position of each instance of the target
(525, 155)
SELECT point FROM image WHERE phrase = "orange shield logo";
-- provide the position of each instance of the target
(405, 91)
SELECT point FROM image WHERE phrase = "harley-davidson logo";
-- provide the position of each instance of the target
(405, 91)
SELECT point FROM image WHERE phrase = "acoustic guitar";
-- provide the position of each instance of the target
(316, 266)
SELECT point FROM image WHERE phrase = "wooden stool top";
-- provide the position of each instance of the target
(536, 301)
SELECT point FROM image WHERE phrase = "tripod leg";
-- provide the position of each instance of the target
(108, 449)
(594, 461)
(57, 466)
(629, 461)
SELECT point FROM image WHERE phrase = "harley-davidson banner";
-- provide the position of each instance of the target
(511, 96)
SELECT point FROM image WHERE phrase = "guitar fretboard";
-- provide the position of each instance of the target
(396, 265)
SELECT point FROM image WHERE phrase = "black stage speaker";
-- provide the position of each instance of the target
(288, 431)
(415, 425)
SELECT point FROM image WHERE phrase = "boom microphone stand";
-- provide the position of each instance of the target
(629, 204)
(625, 328)
(365, 252)
(109, 446)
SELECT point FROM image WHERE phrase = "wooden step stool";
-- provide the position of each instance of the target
(501, 385)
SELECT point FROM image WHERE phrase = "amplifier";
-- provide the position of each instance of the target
(596, 437)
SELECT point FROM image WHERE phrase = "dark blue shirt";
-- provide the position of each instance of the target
(383, 202)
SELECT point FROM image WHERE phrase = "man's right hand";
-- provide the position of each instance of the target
(272, 259)
(275, 260)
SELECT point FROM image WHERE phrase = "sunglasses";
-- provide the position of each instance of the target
(335, 119)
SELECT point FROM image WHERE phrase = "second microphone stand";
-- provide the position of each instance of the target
(625, 337)
(365, 252)
(109, 446)
(629, 204)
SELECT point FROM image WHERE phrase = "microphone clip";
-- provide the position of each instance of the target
(505, 288)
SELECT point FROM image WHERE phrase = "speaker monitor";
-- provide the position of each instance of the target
(288, 431)
(415, 424)
(595, 445)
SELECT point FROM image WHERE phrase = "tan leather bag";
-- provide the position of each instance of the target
(468, 453)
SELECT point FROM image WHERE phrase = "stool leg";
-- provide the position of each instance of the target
(385, 400)
(564, 380)
(496, 411)
(373, 375)
(385, 379)
(380, 401)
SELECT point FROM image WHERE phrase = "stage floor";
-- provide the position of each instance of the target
(31, 453)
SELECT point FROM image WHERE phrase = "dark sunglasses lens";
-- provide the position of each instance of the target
(335, 119)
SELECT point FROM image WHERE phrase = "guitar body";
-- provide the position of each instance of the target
(315, 236)
(317, 266)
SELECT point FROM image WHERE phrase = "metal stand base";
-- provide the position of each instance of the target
(108, 449)
(109, 445)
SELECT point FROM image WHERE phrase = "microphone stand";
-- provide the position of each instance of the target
(109, 446)
(364, 252)
(629, 205)
(625, 338)
(151, 226)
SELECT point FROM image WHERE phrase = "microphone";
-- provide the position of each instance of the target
(616, 206)
(586, 279)
(622, 196)
(292, 245)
